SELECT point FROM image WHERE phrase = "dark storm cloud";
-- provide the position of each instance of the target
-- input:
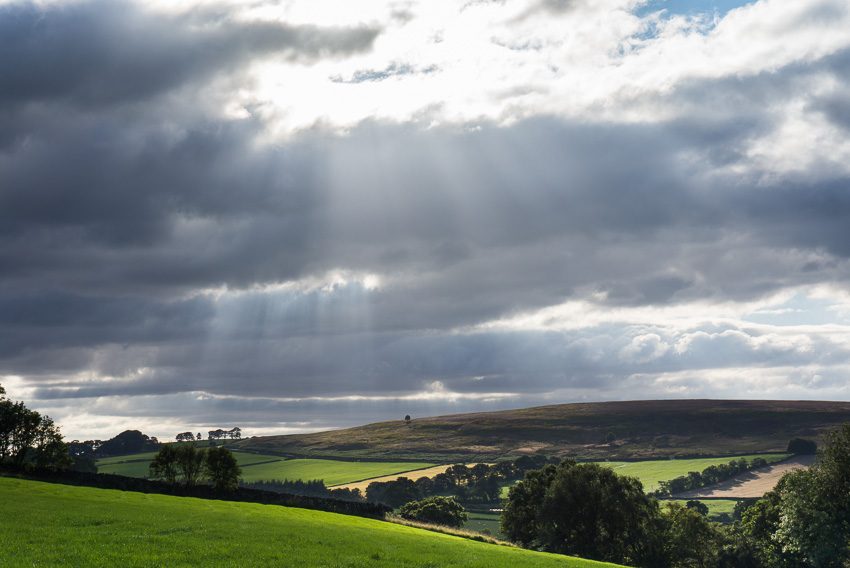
(104, 52)
(139, 232)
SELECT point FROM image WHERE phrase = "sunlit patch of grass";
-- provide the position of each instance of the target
(652, 472)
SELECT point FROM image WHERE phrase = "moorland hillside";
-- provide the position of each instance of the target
(604, 430)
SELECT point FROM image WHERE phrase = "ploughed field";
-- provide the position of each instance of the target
(58, 525)
(751, 484)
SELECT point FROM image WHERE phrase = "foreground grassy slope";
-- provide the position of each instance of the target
(259, 467)
(643, 430)
(57, 525)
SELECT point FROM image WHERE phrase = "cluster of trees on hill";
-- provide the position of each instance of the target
(219, 434)
(29, 440)
(709, 476)
(218, 465)
(127, 442)
(479, 483)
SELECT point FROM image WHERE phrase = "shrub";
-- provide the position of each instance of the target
(437, 510)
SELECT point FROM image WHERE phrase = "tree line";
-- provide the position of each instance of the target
(480, 483)
(217, 465)
(709, 476)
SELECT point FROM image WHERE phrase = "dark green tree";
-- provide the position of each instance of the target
(805, 520)
(585, 510)
(591, 512)
(692, 540)
(437, 510)
(128, 442)
(697, 506)
(28, 439)
(190, 462)
(222, 469)
(519, 519)
(164, 464)
(393, 493)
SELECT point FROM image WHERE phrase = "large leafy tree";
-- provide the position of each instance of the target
(805, 520)
(29, 439)
(584, 510)
(164, 464)
(692, 540)
(190, 462)
(222, 469)
(519, 520)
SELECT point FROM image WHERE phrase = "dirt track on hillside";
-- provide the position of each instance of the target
(754, 483)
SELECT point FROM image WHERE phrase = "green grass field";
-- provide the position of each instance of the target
(716, 507)
(651, 472)
(257, 467)
(57, 525)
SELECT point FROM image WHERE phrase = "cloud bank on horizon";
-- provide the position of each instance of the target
(306, 214)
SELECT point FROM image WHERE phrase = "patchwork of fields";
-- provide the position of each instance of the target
(262, 467)
(651, 472)
(58, 525)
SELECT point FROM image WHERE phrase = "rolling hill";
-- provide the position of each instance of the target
(47, 524)
(641, 430)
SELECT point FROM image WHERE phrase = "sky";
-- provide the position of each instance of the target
(297, 215)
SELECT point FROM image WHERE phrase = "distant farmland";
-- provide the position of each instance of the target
(259, 467)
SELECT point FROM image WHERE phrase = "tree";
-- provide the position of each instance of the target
(50, 452)
(393, 493)
(128, 442)
(698, 506)
(164, 464)
(185, 437)
(222, 469)
(805, 520)
(28, 439)
(437, 510)
(459, 473)
(479, 471)
(519, 520)
(692, 540)
(190, 461)
(584, 510)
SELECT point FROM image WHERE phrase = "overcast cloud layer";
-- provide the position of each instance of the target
(291, 216)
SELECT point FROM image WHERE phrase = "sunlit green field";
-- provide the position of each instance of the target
(56, 525)
(651, 472)
(716, 507)
(257, 467)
